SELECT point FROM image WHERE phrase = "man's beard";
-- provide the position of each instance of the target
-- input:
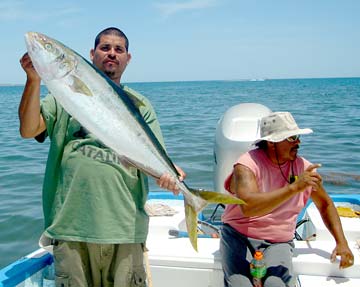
(110, 74)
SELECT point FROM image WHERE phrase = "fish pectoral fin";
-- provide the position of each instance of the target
(135, 100)
(218, 197)
(129, 96)
(191, 224)
(78, 86)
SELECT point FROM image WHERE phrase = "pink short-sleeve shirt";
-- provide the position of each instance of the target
(280, 224)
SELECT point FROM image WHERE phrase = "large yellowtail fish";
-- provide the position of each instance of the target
(105, 110)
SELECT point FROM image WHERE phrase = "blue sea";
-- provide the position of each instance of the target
(188, 113)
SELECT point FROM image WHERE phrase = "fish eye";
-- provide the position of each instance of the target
(48, 46)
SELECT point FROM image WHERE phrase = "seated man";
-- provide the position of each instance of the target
(275, 183)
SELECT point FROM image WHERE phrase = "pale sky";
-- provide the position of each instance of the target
(188, 40)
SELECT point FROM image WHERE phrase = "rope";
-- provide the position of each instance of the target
(159, 209)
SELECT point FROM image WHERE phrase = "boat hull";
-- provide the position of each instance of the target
(171, 257)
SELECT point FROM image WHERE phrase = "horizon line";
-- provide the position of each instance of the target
(219, 80)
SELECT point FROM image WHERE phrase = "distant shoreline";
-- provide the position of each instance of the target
(224, 80)
(10, 85)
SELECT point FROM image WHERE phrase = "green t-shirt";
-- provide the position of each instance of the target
(88, 194)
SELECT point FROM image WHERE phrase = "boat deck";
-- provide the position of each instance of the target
(177, 257)
(171, 261)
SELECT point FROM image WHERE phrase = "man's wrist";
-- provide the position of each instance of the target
(293, 188)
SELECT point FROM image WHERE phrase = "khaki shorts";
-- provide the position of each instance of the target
(81, 264)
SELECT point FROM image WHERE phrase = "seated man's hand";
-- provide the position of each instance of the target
(347, 258)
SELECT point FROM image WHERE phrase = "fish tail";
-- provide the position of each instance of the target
(216, 197)
(191, 224)
(191, 213)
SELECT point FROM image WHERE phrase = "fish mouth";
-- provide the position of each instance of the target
(34, 36)
(30, 40)
(30, 35)
(58, 63)
(33, 40)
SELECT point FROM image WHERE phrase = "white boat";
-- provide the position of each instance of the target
(171, 260)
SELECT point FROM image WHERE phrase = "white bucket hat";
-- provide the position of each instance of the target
(278, 126)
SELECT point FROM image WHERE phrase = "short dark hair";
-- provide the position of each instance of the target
(112, 31)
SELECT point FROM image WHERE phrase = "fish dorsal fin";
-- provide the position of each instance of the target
(78, 86)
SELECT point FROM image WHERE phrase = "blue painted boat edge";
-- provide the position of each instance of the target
(351, 198)
(164, 195)
(20, 270)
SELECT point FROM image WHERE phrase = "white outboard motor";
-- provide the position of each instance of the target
(236, 131)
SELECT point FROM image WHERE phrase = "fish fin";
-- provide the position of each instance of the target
(191, 224)
(135, 100)
(191, 213)
(217, 197)
(78, 86)
(125, 95)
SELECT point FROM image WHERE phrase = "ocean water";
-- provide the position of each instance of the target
(188, 113)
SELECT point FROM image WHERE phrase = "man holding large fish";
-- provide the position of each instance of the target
(104, 138)
(93, 203)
